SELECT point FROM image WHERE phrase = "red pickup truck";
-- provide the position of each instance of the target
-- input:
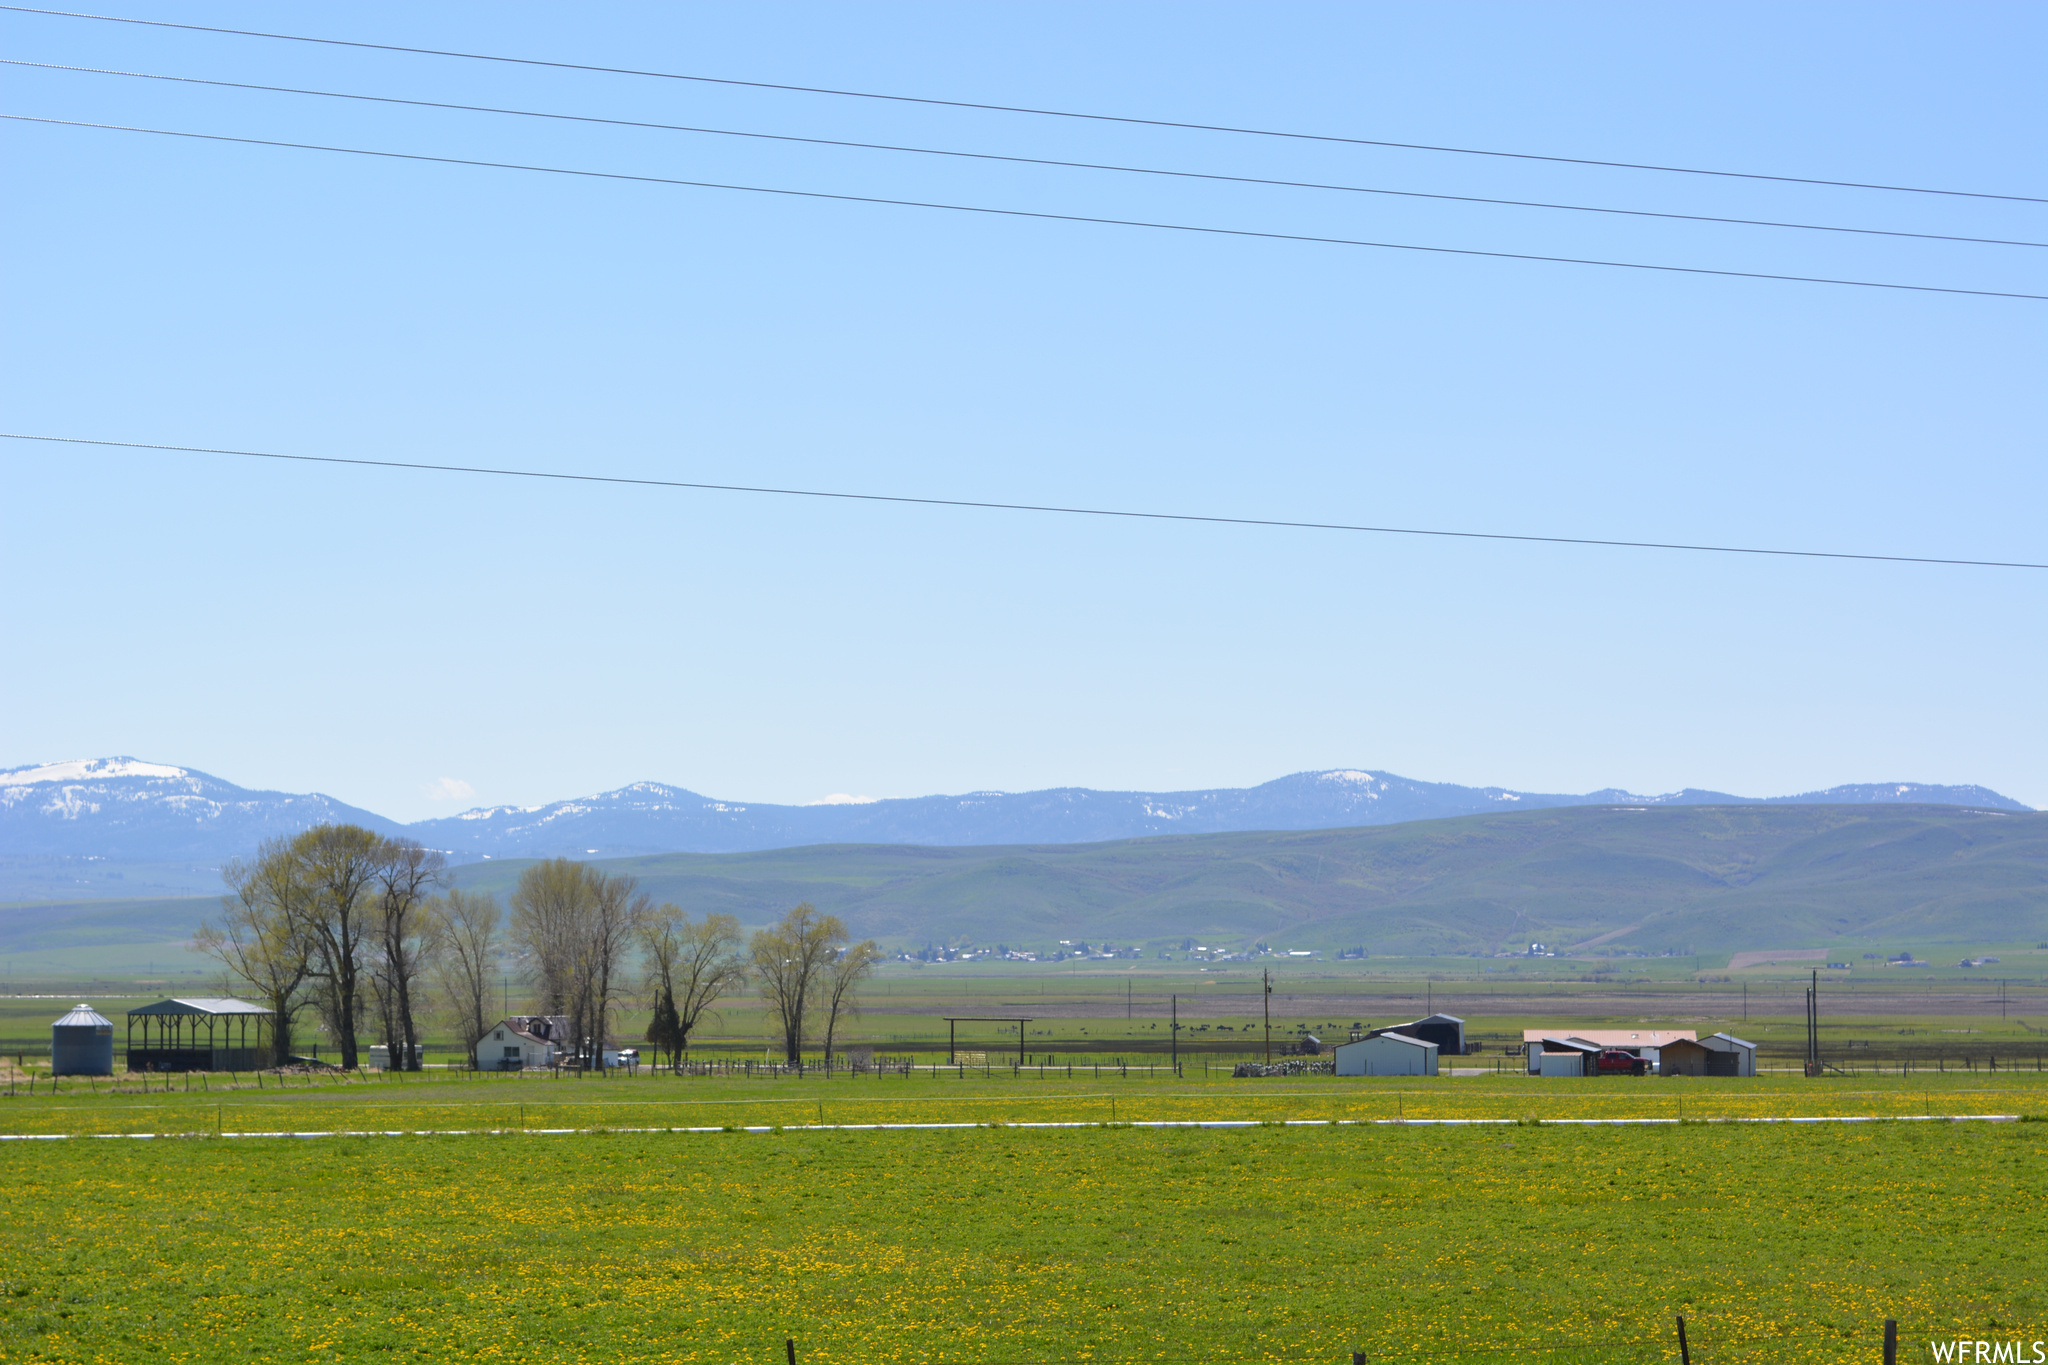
(1615, 1062)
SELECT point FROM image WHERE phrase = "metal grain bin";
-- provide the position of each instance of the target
(82, 1044)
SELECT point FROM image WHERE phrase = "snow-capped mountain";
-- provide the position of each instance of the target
(128, 810)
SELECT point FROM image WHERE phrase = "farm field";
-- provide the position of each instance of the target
(994, 1243)
(442, 1102)
(1080, 1011)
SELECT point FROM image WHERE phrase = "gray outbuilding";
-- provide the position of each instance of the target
(1729, 1055)
(1447, 1031)
(1718, 1054)
(1386, 1054)
(82, 1044)
(1572, 1056)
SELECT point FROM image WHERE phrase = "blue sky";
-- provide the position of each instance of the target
(418, 642)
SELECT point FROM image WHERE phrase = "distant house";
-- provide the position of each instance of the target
(1386, 1054)
(1644, 1043)
(521, 1041)
(1722, 1054)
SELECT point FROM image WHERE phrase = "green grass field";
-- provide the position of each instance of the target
(1934, 1018)
(999, 1243)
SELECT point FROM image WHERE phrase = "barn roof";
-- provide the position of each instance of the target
(555, 1034)
(1391, 1037)
(214, 1005)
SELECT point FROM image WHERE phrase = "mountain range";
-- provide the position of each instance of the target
(127, 810)
(1690, 879)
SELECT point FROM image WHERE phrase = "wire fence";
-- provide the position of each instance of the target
(1678, 1340)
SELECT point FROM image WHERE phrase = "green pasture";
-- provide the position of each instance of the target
(1094, 1011)
(1954, 1030)
(449, 1101)
(999, 1243)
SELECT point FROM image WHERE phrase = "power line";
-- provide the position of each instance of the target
(1017, 160)
(1020, 506)
(1015, 109)
(1029, 213)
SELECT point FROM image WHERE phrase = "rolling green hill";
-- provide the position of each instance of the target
(1706, 879)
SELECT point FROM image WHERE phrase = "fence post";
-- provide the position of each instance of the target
(1684, 1351)
(789, 1344)
(1891, 1342)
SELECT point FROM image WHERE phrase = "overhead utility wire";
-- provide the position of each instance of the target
(1030, 213)
(1020, 506)
(1018, 160)
(1014, 109)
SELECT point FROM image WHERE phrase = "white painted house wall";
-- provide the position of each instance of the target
(495, 1050)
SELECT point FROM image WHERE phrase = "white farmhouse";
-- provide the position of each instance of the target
(521, 1041)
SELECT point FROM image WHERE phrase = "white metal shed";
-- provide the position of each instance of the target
(1387, 1054)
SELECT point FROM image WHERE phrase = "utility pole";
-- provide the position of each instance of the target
(1813, 1025)
(1268, 975)
(1176, 1035)
(1127, 997)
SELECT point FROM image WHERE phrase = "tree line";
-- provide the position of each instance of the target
(364, 930)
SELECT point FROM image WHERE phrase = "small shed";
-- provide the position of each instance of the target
(1387, 1054)
(200, 1033)
(82, 1044)
(380, 1056)
(1719, 1054)
(1563, 1056)
(1682, 1058)
(1728, 1055)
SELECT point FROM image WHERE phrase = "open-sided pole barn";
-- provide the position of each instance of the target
(203, 1033)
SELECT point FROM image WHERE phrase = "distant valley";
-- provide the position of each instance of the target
(1706, 879)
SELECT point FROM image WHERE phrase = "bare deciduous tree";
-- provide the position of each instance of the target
(789, 962)
(469, 947)
(406, 935)
(690, 964)
(576, 924)
(258, 938)
(842, 985)
(618, 907)
(547, 908)
(338, 865)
